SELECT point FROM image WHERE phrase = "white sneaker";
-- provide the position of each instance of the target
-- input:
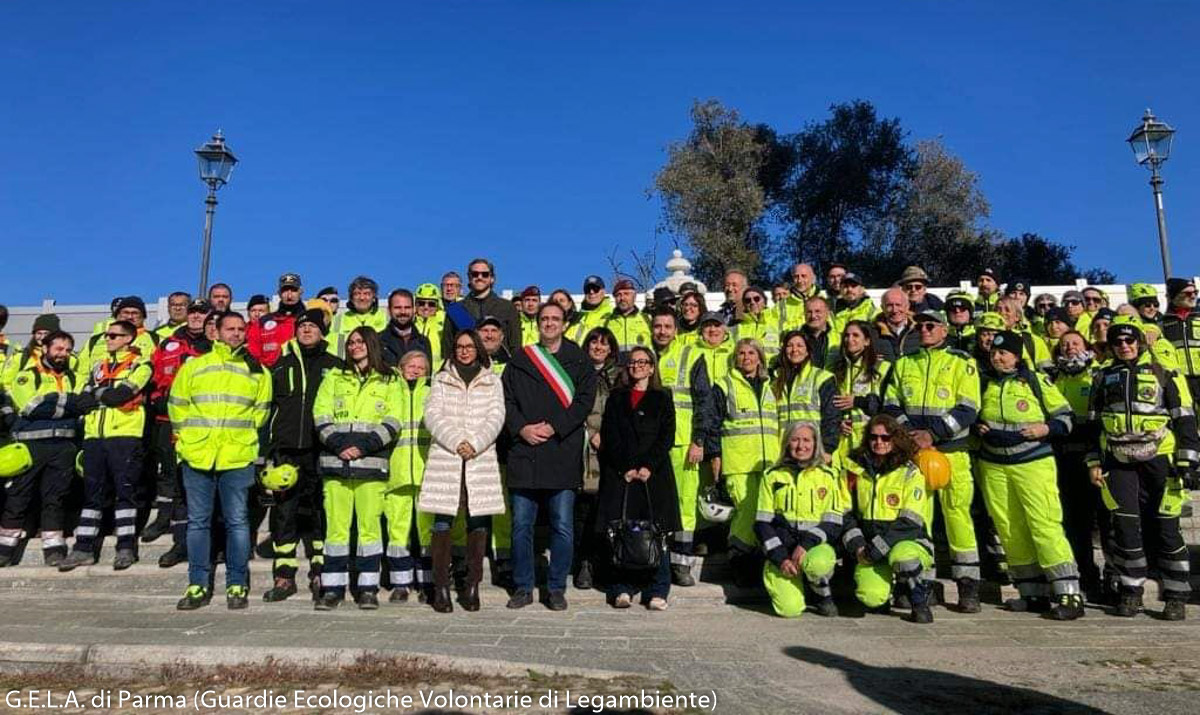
(623, 600)
(657, 604)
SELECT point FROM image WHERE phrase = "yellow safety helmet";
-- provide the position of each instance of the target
(428, 290)
(1140, 291)
(990, 321)
(15, 460)
(279, 477)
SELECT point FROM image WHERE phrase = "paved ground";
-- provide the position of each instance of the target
(991, 662)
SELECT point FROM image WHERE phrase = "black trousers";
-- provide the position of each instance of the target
(47, 482)
(112, 470)
(298, 514)
(1145, 522)
(1082, 508)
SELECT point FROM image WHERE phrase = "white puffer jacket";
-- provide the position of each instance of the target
(454, 413)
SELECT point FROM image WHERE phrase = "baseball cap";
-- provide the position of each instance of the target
(1016, 285)
(712, 316)
(851, 277)
(932, 316)
(531, 292)
(199, 305)
(289, 280)
(623, 284)
(489, 320)
(593, 282)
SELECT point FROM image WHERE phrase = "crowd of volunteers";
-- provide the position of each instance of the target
(410, 441)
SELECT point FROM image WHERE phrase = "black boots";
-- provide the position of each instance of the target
(968, 595)
(441, 548)
(477, 542)
(919, 596)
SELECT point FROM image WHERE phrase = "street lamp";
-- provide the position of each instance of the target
(216, 164)
(1151, 143)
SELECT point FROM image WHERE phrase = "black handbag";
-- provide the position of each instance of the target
(635, 544)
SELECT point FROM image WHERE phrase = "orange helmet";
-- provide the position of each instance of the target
(936, 468)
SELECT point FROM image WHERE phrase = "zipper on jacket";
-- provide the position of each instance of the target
(1129, 378)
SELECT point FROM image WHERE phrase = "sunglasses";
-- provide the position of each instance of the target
(912, 286)
(1092, 300)
(592, 289)
(481, 274)
(957, 307)
(114, 336)
(885, 438)
(427, 303)
(1125, 340)
(1071, 301)
(1045, 305)
(926, 326)
(1189, 293)
(753, 299)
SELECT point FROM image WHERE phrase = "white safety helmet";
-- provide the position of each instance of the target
(715, 504)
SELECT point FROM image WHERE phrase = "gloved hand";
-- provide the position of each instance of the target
(1190, 478)
(86, 402)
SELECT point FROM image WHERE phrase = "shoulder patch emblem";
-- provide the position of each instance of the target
(1147, 393)
(822, 492)
(1022, 405)
(269, 325)
(893, 500)
(22, 379)
(172, 346)
(943, 393)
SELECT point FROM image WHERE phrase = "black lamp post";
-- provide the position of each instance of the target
(1151, 143)
(216, 164)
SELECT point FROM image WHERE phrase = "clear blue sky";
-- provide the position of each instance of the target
(400, 139)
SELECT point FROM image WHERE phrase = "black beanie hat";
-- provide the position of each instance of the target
(1010, 341)
(46, 321)
(132, 301)
(1175, 286)
(315, 316)
(257, 299)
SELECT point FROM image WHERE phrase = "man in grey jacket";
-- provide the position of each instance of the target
(482, 301)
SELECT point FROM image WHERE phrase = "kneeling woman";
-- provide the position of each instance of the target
(885, 532)
(464, 414)
(637, 480)
(356, 418)
(801, 503)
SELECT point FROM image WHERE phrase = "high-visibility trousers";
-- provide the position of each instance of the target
(955, 502)
(787, 592)
(408, 563)
(1025, 507)
(905, 561)
(361, 500)
(687, 486)
(743, 490)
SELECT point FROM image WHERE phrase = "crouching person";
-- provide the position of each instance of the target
(801, 502)
(885, 532)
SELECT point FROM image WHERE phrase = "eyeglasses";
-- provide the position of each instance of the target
(114, 336)
(465, 347)
(427, 303)
(926, 326)
(1125, 340)
(1191, 292)
(640, 363)
(1072, 301)
(752, 299)
(480, 274)
(885, 438)
(1092, 300)
(909, 287)
(356, 342)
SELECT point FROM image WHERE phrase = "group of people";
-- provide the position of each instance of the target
(798, 428)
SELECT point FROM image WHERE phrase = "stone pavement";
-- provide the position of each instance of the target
(991, 662)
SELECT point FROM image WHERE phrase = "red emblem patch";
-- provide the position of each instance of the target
(893, 500)
(822, 492)
(1022, 406)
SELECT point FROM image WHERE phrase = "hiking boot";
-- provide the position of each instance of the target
(442, 603)
(825, 607)
(124, 559)
(195, 597)
(519, 599)
(1174, 610)
(159, 527)
(919, 595)
(76, 559)
(583, 577)
(921, 613)
(399, 595)
(557, 601)
(681, 575)
(281, 591)
(1128, 605)
(173, 557)
(1068, 608)
(368, 601)
(327, 601)
(1028, 604)
(900, 597)
(968, 596)
(236, 598)
(53, 558)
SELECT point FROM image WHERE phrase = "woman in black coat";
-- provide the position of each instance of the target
(636, 437)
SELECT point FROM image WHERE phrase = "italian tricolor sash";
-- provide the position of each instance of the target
(553, 373)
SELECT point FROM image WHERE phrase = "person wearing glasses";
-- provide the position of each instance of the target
(988, 286)
(177, 305)
(1094, 299)
(692, 306)
(894, 335)
(1080, 320)
(637, 480)
(451, 287)
(628, 324)
(914, 281)
(113, 449)
(329, 294)
(757, 323)
(745, 442)
(464, 414)
(1144, 298)
(886, 530)
(363, 311)
(1043, 303)
(430, 320)
(1021, 412)
(481, 301)
(1148, 448)
(401, 335)
(593, 311)
(1181, 327)
(267, 338)
(959, 324)
(356, 415)
(935, 394)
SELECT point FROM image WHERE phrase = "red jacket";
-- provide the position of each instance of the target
(166, 361)
(266, 338)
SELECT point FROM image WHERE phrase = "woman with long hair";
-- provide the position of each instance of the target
(356, 416)
(637, 480)
(600, 346)
(885, 532)
(805, 392)
(801, 503)
(691, 306)
(858, 378)
(464, 414)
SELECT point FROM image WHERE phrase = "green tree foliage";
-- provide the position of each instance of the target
(850, 189)
(712, 193)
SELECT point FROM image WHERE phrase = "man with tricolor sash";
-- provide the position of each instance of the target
(549, 388)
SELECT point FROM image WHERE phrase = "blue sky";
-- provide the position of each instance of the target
(401, 139)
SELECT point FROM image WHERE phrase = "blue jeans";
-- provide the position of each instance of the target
(560, 504)
(232, 486)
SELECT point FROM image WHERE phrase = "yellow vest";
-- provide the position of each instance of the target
(750, 432)
(407, 463)
(127, 369)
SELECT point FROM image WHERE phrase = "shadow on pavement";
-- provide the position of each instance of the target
(919, 691)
